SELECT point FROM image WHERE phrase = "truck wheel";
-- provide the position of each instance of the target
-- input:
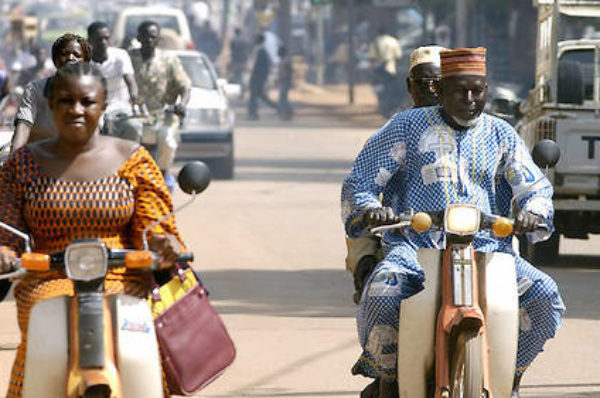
(570, 88)
(542, 253)
(466, 368)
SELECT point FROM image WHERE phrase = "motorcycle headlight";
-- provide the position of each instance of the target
(461, 219)
(86, 261)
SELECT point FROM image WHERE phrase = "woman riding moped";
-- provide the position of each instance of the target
(80, 185)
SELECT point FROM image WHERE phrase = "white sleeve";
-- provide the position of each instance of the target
(126, 65)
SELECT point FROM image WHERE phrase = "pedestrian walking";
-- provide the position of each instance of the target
(207, 40)
(258, 79)
(385, 52)
(238, 48)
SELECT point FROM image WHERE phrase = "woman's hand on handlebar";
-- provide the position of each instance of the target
(381, 216)
(526, 222)
(7, 259)
(167, 248)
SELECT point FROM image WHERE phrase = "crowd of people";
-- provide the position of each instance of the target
(61, 146)
(158, 80)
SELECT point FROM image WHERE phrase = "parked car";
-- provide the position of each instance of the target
(175, 30)
(207, 129)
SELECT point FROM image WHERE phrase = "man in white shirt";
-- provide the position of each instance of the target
(122, 91)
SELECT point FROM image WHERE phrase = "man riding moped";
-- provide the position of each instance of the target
(122, 91)
(423, 73)
(436, 156)
(161, 80)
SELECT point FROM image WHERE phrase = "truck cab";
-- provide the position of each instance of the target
(564, 106)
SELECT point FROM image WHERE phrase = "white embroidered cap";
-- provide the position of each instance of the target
(426, 55)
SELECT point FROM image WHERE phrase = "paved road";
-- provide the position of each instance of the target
(270, 247)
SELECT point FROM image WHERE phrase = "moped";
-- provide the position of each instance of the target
(91, 344)
(140, 125)
(458, 337)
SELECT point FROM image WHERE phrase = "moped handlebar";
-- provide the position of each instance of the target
(115, 258)
(424, 221)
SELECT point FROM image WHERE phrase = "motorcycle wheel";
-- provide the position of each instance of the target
(466, 368)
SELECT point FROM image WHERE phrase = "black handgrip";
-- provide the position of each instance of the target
(185, 257)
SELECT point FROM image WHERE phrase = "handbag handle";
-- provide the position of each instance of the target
(178, 271)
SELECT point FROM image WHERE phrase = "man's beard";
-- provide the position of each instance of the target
(468, 123)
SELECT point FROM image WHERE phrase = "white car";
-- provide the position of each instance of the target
(172, 21)
(207, 129)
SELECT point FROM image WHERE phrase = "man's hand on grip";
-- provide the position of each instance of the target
(526, 222)
(381, 216)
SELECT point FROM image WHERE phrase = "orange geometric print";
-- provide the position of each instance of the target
(56, 212)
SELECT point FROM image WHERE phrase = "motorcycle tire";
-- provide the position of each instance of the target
(98, 391)
(4, 288)
(466, 368)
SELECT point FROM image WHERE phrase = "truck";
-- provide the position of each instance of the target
(564, 106)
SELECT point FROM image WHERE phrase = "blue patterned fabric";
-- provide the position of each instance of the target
(417, 161)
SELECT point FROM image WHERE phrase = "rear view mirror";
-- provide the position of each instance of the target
(545, 153)
(232, 91)
(194, 177)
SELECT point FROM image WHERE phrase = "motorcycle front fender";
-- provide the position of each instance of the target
(47, 357)
(501, 307)
(416, 333)
(136, 348)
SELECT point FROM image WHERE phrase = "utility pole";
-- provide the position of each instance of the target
(320, 55)
(285, 23)
(461, 23)
(225, 24)
(351, 56)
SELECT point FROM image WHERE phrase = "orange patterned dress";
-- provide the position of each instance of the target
(55, 212)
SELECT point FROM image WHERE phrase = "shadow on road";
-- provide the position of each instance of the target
(307, 293)
(577, 260)
(296, 170)
(589, 390)
(578, 287)
(327, 293)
